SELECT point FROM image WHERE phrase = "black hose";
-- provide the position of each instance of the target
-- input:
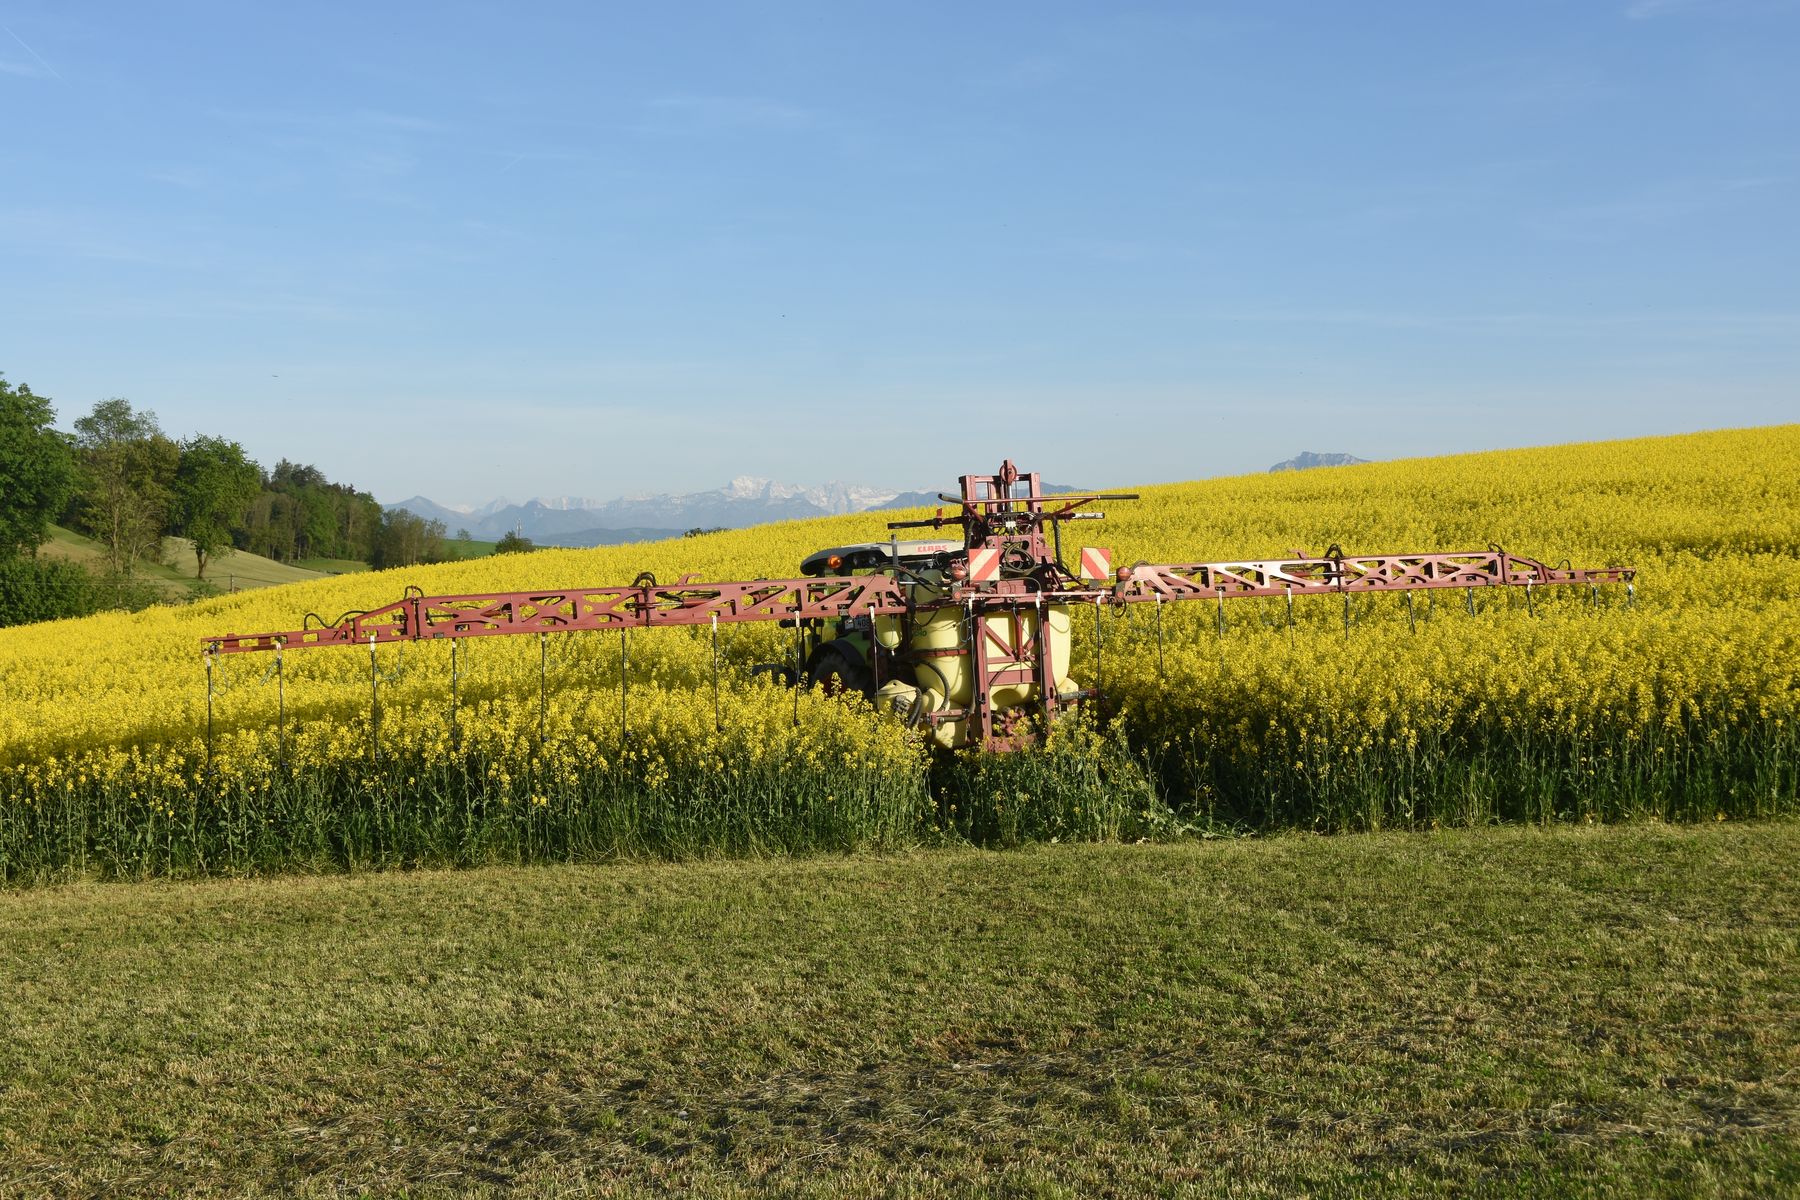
(941, 678)
(313, 616)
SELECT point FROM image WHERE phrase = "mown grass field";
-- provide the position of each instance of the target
(239, 570)
(454, 551)
(473, 548)
(66, 543)
(1609, 1011)
(334, 566)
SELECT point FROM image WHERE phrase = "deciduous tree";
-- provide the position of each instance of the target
(407, 538)
(37, 470)
(215, 483)
(128, 467)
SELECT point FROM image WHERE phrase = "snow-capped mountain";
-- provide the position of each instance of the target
(578, 520)
(453, 517)
(746, 500)
(1306, 460)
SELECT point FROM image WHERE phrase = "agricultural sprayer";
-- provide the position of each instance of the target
(967, 638)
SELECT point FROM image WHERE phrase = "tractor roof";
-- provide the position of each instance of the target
(865, 556)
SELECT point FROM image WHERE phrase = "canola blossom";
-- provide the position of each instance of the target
(1683, 705)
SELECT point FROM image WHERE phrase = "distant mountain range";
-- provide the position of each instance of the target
(745, 501)
(1306, 460)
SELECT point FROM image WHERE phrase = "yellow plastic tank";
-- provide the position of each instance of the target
(942, 668)
(941, 665)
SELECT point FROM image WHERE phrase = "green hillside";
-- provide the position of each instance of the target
(239, 570)
(236, 570)
(334, 566)
(66, 543)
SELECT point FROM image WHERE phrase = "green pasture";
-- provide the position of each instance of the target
(1605, 1011)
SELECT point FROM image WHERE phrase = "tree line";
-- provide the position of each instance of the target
(119, 479)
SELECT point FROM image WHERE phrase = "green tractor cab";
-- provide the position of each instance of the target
(880, 556)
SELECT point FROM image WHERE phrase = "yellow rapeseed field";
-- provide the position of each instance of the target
(1683, 705)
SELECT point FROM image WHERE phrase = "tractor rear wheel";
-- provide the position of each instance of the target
(839, 670)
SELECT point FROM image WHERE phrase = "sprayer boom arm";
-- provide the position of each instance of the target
(1301, 575)
(646, 605)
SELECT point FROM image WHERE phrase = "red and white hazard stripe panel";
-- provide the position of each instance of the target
(984, 565)
(1096, 564)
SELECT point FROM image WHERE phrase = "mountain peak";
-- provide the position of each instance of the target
(574, 520)
(744, 487)
(1307, 459)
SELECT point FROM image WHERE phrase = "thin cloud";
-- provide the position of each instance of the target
(693, 113)
(384, 164)
(1028, 73)
(400, 122)
(510, 158)
(1548, 80)
(1699, 323)
(1650, 10)
(296, 308)
(190, 178)
(326, 121)
(34, 54)
(1653, 207)
(1560, 87)
(41, 232)
(1644, 10)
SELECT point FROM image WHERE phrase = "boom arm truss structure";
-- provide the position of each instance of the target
(645, 605)
(649, 605)
(1338, 572)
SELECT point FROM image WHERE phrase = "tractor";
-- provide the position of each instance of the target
(966, 637)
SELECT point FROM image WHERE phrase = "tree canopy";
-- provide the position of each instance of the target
(407, 538)
(37, 470)
(302, 514)
(214, 484)
(123, 482)
(129, 468)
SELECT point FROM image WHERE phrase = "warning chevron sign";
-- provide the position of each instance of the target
(1096, 564)
(984, 565)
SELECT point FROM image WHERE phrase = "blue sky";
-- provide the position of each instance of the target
(472, 250)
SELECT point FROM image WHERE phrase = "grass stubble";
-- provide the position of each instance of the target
(1573, 1011)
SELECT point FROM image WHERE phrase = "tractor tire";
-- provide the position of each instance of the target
(838, 671)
